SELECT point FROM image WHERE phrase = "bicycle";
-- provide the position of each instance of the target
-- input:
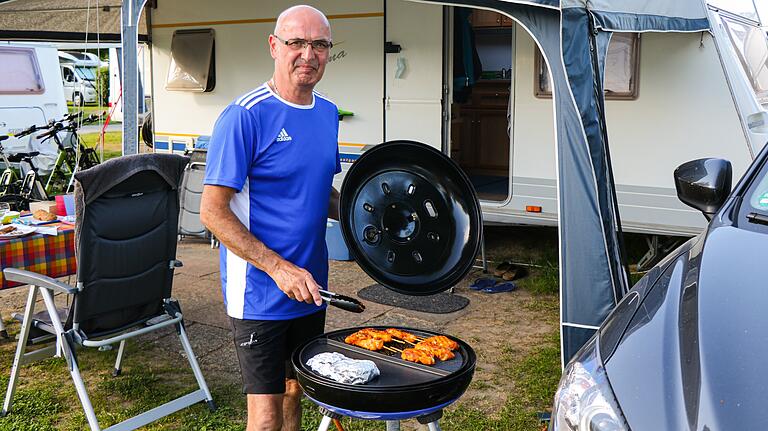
(61, 178)
(11, 181)
(9, 177)
(72, 157)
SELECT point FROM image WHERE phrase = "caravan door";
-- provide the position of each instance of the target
(413, 95)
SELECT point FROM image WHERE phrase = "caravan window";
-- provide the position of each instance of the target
(622, 66)
(20, 72)
(192, 61)
(751, 48)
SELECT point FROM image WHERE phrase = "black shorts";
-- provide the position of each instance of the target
(264, 349)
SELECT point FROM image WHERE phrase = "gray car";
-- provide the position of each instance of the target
(687, 347)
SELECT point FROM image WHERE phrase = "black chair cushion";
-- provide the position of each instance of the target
(125, 242)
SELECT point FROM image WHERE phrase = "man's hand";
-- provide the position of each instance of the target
(296, 282)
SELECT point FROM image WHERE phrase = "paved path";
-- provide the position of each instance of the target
(96, 128)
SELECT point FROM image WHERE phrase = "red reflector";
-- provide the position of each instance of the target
(533, 209)
(109, 104)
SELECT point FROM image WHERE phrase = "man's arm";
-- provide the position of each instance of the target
(333, 204)
(217, 216)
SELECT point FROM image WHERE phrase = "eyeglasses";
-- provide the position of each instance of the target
(319, 45)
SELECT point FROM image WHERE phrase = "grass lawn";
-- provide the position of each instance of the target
(113, 142)
(89, 109)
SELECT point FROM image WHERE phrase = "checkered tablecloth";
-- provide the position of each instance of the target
(49, 255)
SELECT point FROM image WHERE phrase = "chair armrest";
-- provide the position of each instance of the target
(28, 277)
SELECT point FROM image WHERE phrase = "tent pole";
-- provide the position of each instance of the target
(131, 13)
(623, 281)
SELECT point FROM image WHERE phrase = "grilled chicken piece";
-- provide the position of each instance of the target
(352, 338)
(365, 343)
(442, 341)
(442, 353)
(375, 333)
(418, 356)
(407, 336)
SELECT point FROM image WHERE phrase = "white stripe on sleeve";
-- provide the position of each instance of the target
(237, 267)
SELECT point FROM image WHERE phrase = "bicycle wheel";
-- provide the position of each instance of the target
(88, 158)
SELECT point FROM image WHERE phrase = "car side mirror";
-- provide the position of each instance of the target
(704, 184)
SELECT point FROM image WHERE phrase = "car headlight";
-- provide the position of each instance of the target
(584, 400)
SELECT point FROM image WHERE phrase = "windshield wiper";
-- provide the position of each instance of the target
(757, 218)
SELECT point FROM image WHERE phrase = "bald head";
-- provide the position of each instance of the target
(300, 13)
(300, 46)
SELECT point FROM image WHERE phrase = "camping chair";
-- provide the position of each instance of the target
(127, 210)
(191, 192)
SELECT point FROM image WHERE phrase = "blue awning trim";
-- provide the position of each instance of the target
(617, 21)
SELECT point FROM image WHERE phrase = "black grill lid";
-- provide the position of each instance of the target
(410, 217)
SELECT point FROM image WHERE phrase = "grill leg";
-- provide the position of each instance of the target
(393, 425)
(325, 423)
(431, 420)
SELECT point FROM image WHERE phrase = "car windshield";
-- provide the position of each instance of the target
(86, 73)
(758, 197)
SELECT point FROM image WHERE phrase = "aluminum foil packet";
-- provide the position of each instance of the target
(342, 369)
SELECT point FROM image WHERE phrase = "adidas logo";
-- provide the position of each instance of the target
(283, 136)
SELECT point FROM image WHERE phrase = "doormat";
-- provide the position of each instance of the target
(440, 303)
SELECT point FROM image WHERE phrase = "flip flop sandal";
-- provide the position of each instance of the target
(501, 287)
(502, 268)
(482, 283)
(509, 275)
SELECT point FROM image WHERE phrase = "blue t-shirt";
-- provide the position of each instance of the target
(281, 159)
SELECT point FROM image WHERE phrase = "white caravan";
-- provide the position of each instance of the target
(409, 71)
(30, 87)
(78, 74)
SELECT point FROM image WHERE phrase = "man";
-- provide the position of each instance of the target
(270, 166)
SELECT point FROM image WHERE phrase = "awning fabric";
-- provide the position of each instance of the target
(63, 20)
(573, 36)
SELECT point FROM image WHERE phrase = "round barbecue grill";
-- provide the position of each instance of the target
(402, 386)
(411, 219)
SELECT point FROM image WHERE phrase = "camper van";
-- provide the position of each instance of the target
(472, 83)
(30, 87)
(78, 74)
